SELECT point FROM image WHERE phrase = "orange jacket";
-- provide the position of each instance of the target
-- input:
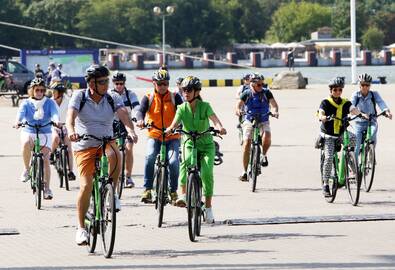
(161, 112)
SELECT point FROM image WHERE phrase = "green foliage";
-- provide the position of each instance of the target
(373, 39)
(295, 21)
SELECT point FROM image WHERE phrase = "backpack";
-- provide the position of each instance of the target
(373, 101)
(109, 100)
(263, 95)
(151, 99)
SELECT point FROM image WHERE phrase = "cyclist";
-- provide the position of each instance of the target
(40, 110)
(160, 108)
(256, 100)
(245, 86)
(332, 130)
(38, 72)
(62, 102)
(132, 104)
(194, 115)
(366, 100)
(179, 89)
(91, 111)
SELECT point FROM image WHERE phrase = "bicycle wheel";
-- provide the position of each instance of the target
(65, 167)
(162, 194)
(369, 167)
(255, 163)
(58, 167)
(353, 181)
(121, 181)
(332, 181)
(39, 181)
(193, 207)
(108, 222)
(91, 225)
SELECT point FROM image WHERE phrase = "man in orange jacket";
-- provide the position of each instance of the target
(159, 107)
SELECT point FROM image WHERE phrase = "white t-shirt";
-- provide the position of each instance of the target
(62, 109)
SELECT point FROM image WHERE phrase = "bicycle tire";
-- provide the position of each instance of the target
(58, 167)
(121, 180)
(91, 225)
(108, 222)
(65, 167)
(161, 195)
(370, 167)
(254, 166)
(39, 182)
(333, 180)
(193, 203)
(353, 181)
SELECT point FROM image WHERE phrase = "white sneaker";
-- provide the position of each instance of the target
(81, 237)
(25, 176)
(209, 216)
(48, 194)
(117, 203)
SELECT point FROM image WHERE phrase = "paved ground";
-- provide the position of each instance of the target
(289, 190)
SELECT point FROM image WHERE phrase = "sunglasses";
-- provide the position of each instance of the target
(365, 84)
(187, 90)
(103, 82)
(40, 90)
(337, 89)
(258, 84)
(119, 83)
(165, 83)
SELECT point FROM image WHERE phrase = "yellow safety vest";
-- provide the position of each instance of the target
(339, 113)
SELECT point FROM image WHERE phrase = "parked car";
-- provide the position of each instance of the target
(20, 74)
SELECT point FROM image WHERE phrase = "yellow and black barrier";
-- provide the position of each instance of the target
(229, 82)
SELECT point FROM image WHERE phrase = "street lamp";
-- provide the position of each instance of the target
(158, 11)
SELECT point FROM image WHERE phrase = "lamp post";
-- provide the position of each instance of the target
(158, 11)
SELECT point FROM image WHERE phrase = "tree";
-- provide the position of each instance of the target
(295, 21)
(373, 39)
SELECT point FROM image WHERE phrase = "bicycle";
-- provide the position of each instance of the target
(36, 171)
(101, 215)
(121, 135)
(195, 206)
(61, 161)
(254, 167)
(345, 168)
(367, 155)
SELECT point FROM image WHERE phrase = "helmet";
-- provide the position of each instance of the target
(254, 77)
(336, 82)
(161, 75)
(365, 78)
(179, 80)
(37, 82)
(118, 76)
(58, 87)
(96, 71)
(191, 82)
(247, 76)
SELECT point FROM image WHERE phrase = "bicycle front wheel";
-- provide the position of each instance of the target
(353, 181)
(108, 222)
(39, 182)
(369, 167)
(121, 181)
(65, 167)
(255, 166)
(162, 194)
(193, 207)
(91, 225)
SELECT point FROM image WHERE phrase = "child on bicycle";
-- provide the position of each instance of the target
(194, 115)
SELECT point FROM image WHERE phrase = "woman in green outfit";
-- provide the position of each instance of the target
(194, 114)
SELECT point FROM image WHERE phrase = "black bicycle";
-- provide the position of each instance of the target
(36, 171)
(121, 135)
(101, 215)
(195, 206)
(61, 161)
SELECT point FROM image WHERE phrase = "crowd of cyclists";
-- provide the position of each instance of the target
(101, 112)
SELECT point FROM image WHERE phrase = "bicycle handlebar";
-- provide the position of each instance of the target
(196, 134)
(36, 126)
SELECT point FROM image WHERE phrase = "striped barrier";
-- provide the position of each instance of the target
(229, 82)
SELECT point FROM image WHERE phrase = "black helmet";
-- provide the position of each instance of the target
(365, 78)
(96, 71)
(336, 82)
(58, 87)
(254, 77)
(191, 82)
(179, 80)
(247, 76)
(37, 82)
(161, 75)
(118, 76)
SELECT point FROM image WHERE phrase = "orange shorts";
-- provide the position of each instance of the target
(85, 160)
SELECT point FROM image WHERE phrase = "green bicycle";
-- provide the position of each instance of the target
(367, 155)
(101, 215)
(195, 206)
(36, 172)
(345, 168)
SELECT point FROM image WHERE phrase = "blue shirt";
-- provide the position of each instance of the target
(365, 104)
(26, 113)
